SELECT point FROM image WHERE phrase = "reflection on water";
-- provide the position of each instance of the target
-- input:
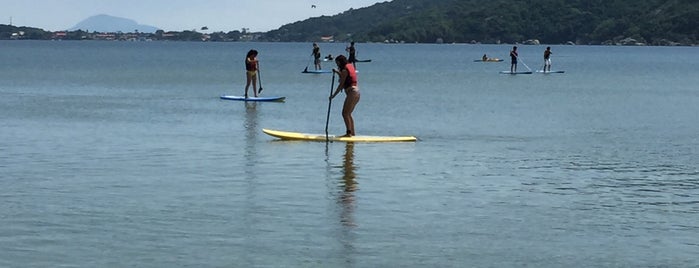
(250, 131)
(248, 217)
(349, 184)
(346, 203)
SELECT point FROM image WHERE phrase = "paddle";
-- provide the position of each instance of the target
(525, 65)
(330, 101)
(259, 77)
(305, 70)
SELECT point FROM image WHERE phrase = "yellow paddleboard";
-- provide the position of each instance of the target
(285, 135)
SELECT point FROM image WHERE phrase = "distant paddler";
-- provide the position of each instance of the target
(316, 56)
(251, 72)
(352, 53)
(547, 59)
(513, 57)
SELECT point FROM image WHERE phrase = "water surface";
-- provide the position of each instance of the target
(121, 154)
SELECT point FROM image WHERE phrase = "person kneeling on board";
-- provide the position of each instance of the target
(348, 82)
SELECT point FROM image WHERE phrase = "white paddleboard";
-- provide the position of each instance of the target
(243, 98)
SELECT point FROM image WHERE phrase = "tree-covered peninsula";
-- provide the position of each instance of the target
(607, 22)
(651, 22)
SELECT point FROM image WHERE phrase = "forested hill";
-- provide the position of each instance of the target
(652, 22)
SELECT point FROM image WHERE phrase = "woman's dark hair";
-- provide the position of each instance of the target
(251, 53)
(341, 61)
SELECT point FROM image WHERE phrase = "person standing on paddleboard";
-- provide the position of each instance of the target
(251, 72)
(547, 59)
(352, 54)
(513, 56)
(316, 56)
(348, 82)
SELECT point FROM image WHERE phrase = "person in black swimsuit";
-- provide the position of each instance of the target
(513, 56)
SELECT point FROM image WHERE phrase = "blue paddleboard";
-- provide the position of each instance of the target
(508, 72)
(242, 98)
(550, 72)
(317, 71)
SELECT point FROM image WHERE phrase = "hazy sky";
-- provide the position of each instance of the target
(174, 15)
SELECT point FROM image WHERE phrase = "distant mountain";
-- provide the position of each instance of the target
(111, 24)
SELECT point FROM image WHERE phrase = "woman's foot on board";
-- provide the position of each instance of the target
(348, 134)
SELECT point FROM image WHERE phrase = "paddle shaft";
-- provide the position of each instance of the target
(330, 101)
(309, 62)
(259, 78)
(525, 65)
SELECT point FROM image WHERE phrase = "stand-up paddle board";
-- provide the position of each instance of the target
(320, 71)
(354, 61)
(243, 98)
(489, 60)
(285, 135)
(508, 72)
(317, 71)
(550, 72)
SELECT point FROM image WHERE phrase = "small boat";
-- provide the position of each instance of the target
(489, 60)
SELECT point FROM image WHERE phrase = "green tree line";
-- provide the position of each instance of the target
(655, 22)
(29, 33)
(7, 31)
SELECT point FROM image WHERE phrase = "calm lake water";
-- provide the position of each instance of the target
(121, 154)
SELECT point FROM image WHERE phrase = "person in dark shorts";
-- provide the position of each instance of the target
(513, 56)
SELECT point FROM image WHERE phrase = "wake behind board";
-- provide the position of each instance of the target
(550, 72)
(285, 135)
(242, 98)
(508, 72)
